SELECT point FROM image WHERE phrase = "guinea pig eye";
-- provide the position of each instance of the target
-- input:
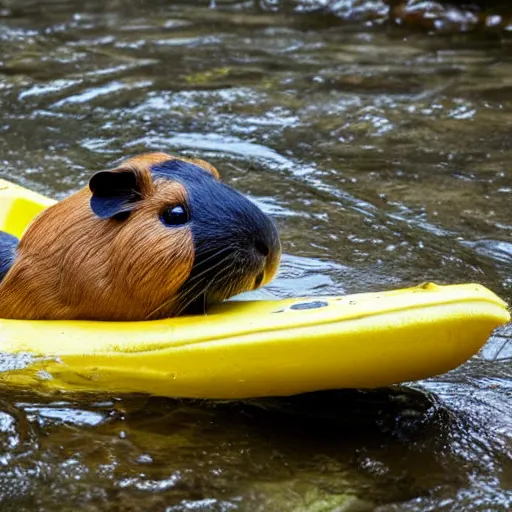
(175, 215)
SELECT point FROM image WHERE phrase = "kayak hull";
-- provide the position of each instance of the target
(260, 348)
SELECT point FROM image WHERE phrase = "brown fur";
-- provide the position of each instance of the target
(134, 266)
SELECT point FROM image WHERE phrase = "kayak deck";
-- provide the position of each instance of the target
(261, 348)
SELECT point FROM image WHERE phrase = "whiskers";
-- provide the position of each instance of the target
(201, 287)
(200, 284)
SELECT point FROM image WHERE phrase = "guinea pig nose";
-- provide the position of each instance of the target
(262, 247)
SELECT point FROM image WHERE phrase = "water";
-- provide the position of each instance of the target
(383, 151)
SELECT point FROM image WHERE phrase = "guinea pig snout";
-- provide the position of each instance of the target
(267, 248)
(237, 246)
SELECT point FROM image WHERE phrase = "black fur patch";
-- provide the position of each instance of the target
(227, 228)
(8, 244)
(220, 216)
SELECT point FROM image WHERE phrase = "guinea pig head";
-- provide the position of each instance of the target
(156, 237)
(184, 239)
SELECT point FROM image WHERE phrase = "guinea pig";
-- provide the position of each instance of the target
(156, 237)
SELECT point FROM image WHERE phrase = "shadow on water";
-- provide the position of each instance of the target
(378, 135)
(337, 450)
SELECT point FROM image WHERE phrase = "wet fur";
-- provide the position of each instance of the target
(70, 264)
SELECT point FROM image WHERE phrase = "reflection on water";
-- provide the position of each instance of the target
(383, 152)
(334, 448)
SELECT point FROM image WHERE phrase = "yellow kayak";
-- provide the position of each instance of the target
(244, 349)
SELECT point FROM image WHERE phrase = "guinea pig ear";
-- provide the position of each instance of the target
(115, 192)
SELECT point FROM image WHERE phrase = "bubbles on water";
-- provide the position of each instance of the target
(44, 375)
(11, 361)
